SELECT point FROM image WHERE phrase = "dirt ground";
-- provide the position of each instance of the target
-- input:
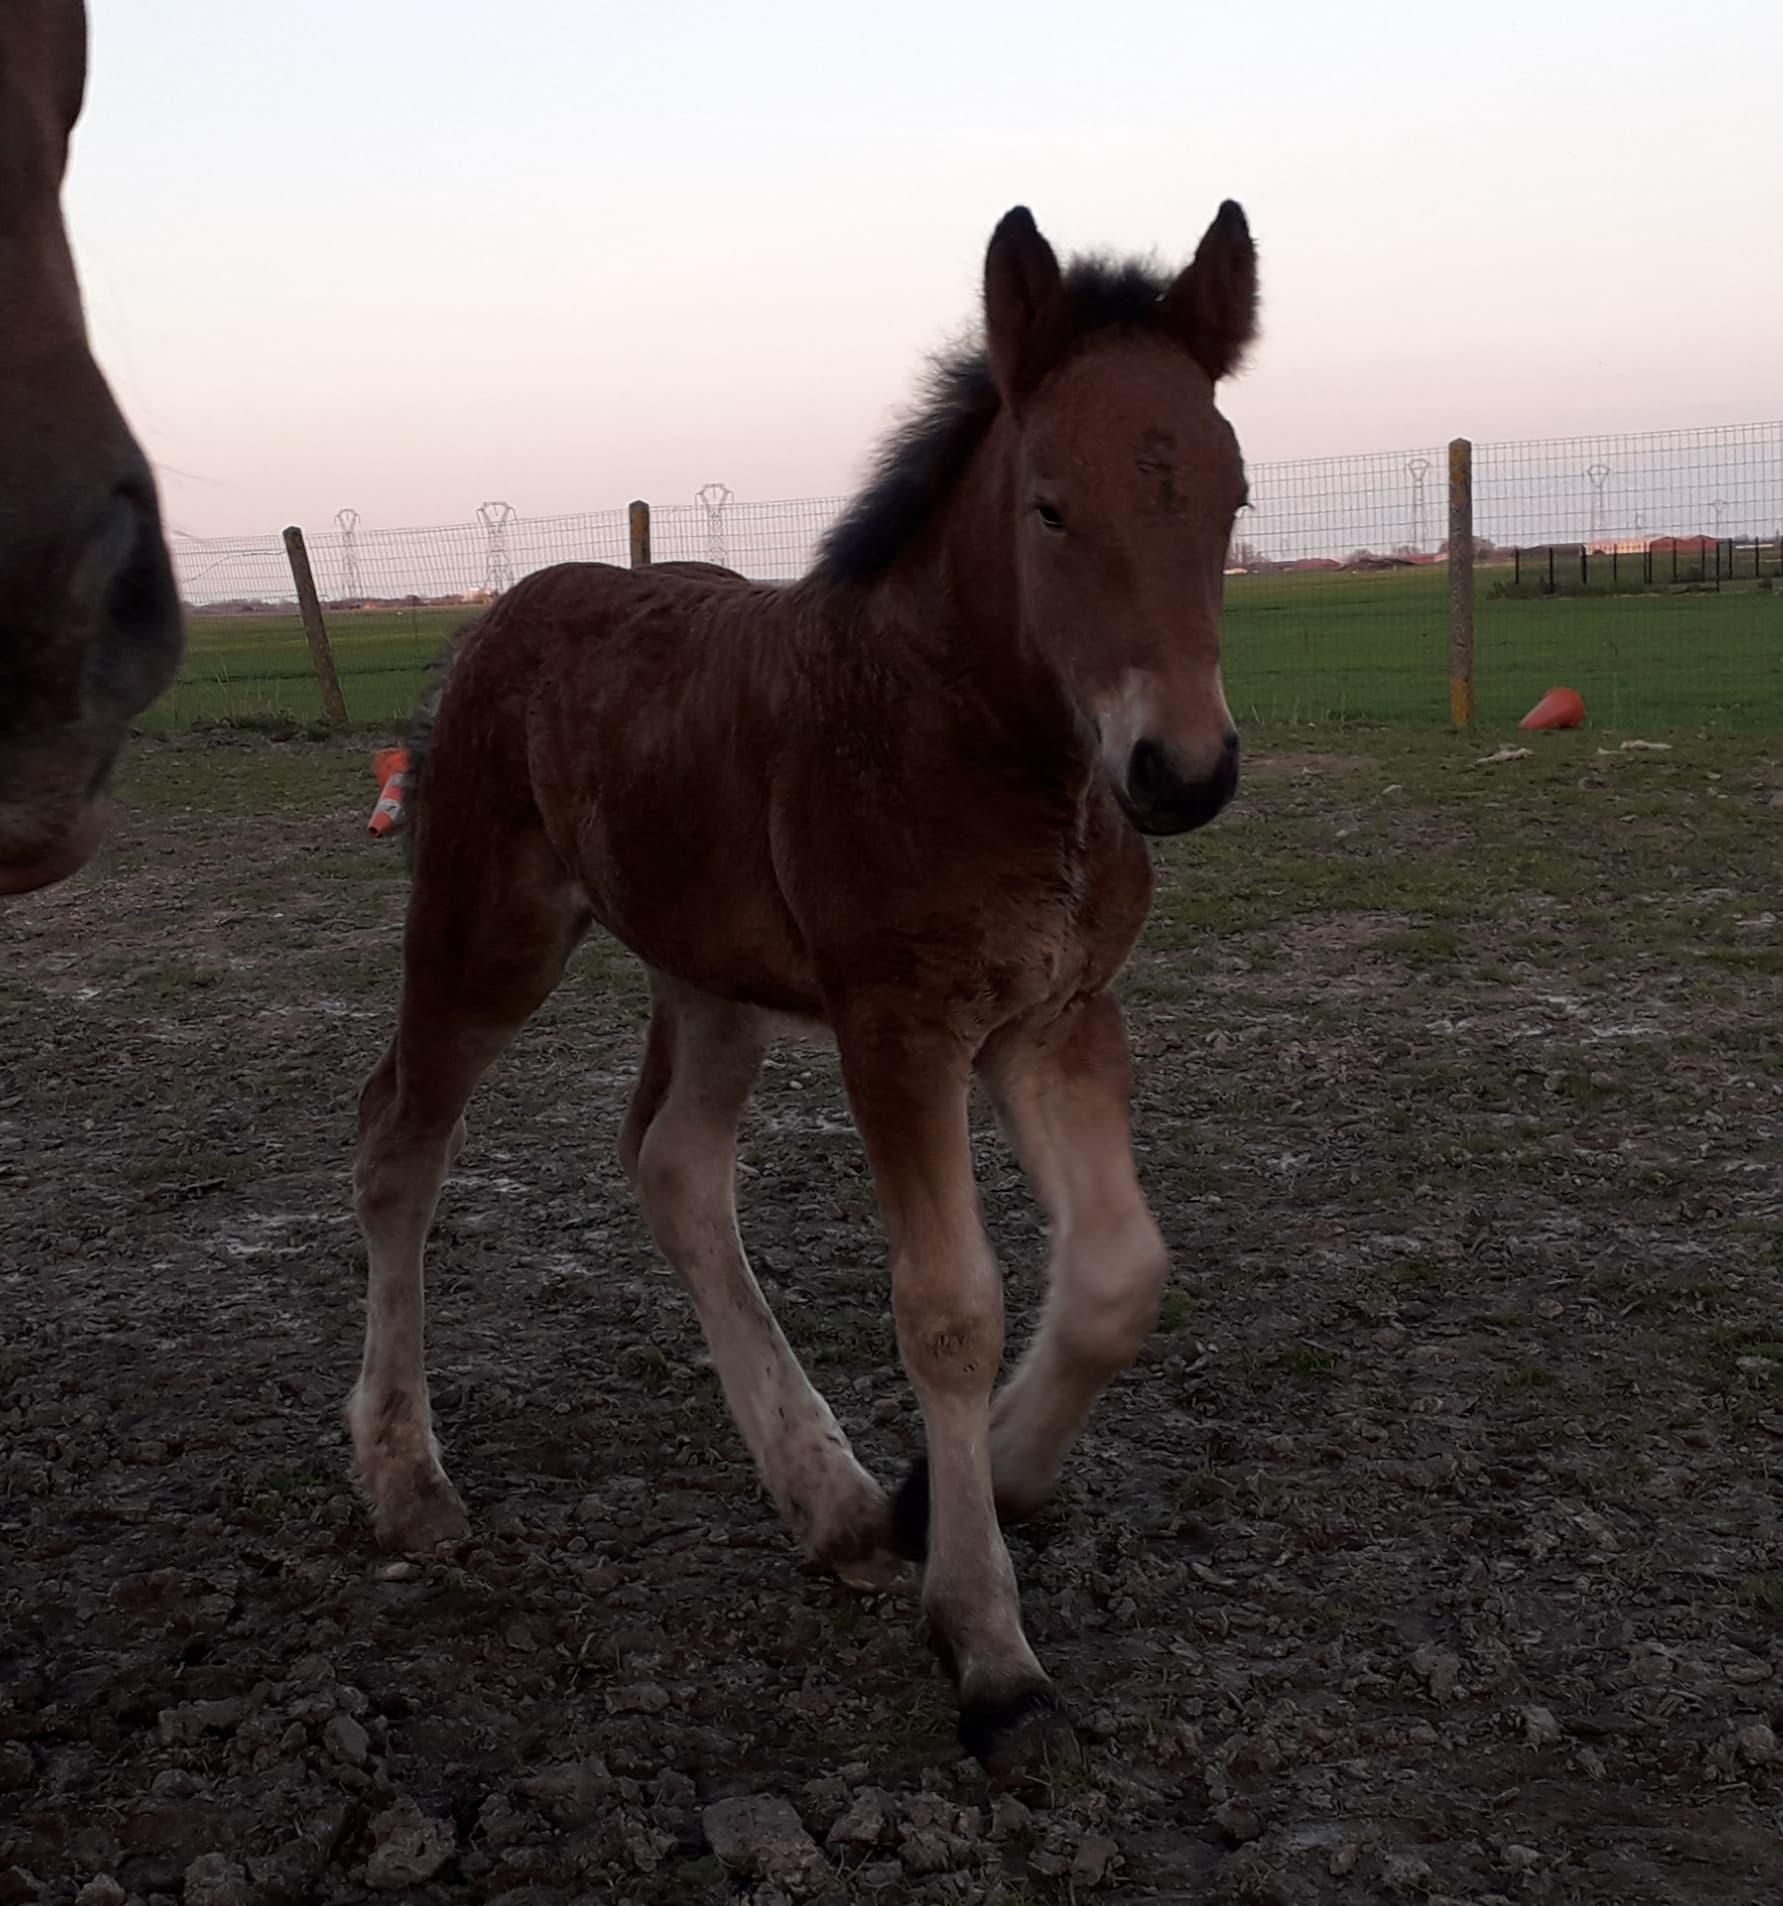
(1430, 1554)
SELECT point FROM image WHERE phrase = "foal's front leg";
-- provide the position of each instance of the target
(1061, 1089)
(908, 1086)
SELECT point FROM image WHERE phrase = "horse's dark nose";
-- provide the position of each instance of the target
(1163, 797)
(123, 591)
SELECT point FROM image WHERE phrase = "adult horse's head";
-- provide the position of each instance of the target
(1126, 483)
(89, 618)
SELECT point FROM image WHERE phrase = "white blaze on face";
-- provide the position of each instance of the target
(1135, 712)
(1123, 720)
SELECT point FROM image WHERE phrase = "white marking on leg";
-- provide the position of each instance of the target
(1062, 1095)
(909, 1090)
(948, 1299)
(389, 1413)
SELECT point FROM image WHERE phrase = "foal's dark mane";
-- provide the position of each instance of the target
(921, 460)
(915, 467)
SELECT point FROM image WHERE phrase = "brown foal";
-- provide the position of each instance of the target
(901, 799)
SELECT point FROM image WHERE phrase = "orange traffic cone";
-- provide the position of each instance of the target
(391, 766)
(1558, 708)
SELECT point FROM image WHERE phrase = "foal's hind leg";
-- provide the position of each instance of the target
(486, 942)
(680, 1142)
(1061, 1091)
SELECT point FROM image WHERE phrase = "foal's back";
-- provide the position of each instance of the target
(631, 715)
(758, 784)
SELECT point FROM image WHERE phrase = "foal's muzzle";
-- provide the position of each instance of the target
(1163, 796)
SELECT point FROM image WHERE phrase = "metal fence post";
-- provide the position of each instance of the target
(639, 518)
(334, 704)
(1461, 583)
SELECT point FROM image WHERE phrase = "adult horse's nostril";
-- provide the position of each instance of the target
(142, 594)
(123, 591)
(1150, 777)
(1161, 797)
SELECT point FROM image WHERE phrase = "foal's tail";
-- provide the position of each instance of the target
(419, 740)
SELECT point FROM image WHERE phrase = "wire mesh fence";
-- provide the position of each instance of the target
(1335, 596)
(1647, 566)
(769, 542)
(1646, 571)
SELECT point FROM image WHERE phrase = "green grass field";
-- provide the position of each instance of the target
(254, 670)
(1316, 646)
(1373, 646)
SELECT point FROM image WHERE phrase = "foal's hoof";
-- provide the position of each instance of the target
(1021, 1739)
(910, 1513)
(423, 1519)
(876, 1574)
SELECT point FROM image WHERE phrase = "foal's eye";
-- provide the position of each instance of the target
(1049, 517)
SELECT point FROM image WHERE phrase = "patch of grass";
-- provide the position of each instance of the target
(1581, 1085)
(1070, 1772)
(1333, 1618)
(1763, 1593)
(649, 1363)
(916, 1731)
(708, 1875)
(1740, 1359)
(168, 982)
(224, 1169)
(353, 973)
(277, 724)
(1308, 1361)
(279, 1493)
(845, 1616)
(1659, 1296)
(1006, 1892)
(1200, 1489)
(1175, 1308)
(1530, 1376)
(1424, 945)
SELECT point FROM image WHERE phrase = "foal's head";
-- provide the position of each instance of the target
(1123, 484)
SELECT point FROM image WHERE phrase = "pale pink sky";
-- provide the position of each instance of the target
(410, 255)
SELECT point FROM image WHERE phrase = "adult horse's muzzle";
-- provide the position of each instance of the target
(66, 855)
(90, 634)
(1161, 794)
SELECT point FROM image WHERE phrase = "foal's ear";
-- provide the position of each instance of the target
(1021, 279)
(1213, 304)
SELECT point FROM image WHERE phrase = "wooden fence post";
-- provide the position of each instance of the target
(334, 704)
(1461, 583)
(640, 534)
